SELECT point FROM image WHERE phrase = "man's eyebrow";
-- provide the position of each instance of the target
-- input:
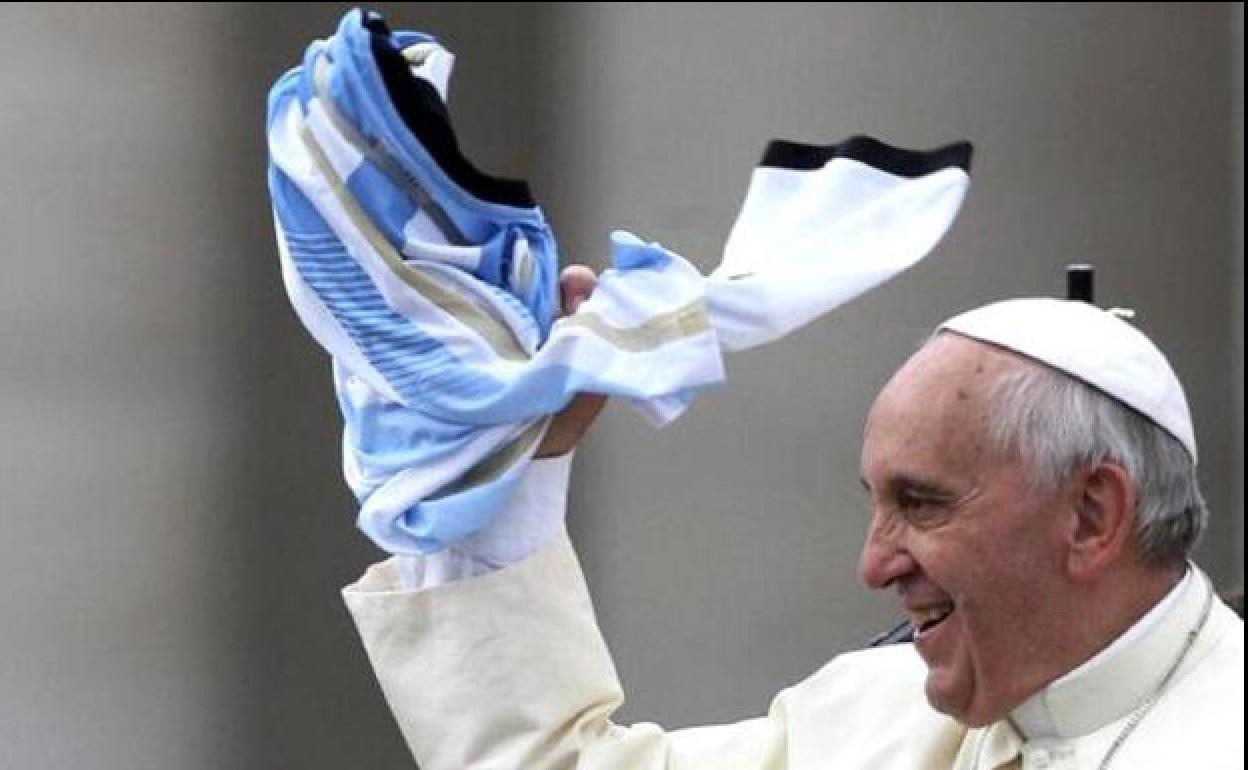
(910, 483)
(904, 482)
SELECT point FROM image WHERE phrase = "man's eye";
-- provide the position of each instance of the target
(921, 510)
(908, 502)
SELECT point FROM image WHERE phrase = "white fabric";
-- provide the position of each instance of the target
(532, 519)
(789, 260)
(1091, 345)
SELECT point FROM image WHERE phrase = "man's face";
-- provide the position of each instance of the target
(972, 551)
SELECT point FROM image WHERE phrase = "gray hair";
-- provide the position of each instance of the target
(1059, 425)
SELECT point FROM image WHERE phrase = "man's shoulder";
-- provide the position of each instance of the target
(1215, 673)
(1215, 668)
(1200, 718)
(876, 700)
(894, 672)
(875, 686)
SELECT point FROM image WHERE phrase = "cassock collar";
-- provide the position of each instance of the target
(1116, 680)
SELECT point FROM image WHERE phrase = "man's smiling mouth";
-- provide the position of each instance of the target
(925, 620)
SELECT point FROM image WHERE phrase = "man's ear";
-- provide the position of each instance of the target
(1104, 498)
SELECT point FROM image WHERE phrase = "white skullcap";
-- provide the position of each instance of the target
(1091, 345)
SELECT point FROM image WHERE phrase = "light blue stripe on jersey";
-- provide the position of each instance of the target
(399, 351)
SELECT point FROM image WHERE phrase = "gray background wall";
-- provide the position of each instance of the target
(173, 530)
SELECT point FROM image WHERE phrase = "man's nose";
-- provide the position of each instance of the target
(884, 559)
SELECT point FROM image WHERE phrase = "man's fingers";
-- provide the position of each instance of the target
(576, 283)
(570, 425)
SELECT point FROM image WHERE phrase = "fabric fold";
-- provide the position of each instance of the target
(434, 285)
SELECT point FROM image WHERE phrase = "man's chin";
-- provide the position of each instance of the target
(947, 696)
(957, 703)
(941, 697)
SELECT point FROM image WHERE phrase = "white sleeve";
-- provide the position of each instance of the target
(532, 518)
(508, 671)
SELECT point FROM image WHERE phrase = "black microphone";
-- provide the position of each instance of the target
(1079, 283)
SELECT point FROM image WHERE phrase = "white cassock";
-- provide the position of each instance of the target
(507, 670)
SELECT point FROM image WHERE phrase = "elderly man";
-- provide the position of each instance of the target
(1032, 475)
